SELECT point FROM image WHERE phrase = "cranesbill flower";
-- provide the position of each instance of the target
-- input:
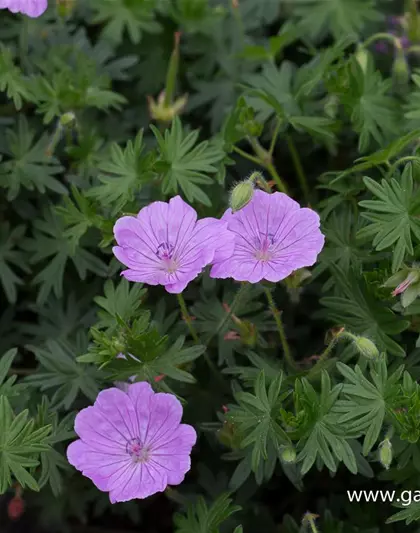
(132, 444)
(166, 245)
(274, 236)
(32, 8)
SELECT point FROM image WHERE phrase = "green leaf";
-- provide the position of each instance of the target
(200, 518)
(375, 114)
(151, 359)
(78, 215)
(51, 242)
(359, 310)
(340, 17)
(364, 409)
(135, 18)
(184, 164)
(12, 80)
(11, 257)
(122, 300)
(29, 166)
(322, 438)
(20, 446)
(122, 175)
(60, 374)
(52, 461)
(8, 386)
(255, 419)
(393, 215)
(409, 514)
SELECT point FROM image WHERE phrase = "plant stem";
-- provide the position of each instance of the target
(274, 137)
(186, 316)
(280, 328)
(299, 168)
(324, 356)
(247, 156)
(405, 159)
(236, 300)
(279, 182)
(379, 36)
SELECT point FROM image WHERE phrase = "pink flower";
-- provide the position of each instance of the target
(32, 8)
(274, 236)
(166, 245)
(132, 444)
(412, 277)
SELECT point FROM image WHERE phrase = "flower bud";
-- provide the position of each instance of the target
(385, 453)
(362, 57)
(406, 283)
(15, 508)
(65, 7)
(308, 521)
(288, 455)
(242, 194)
(400, 69)
(67, 118)
(366, 347)
(162, 112)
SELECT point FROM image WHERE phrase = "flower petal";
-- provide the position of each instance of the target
(173, 455)
(142, 481)
(117, 407)
(165, 416)
(101, 468)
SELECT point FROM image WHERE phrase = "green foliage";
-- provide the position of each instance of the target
(323, 438)
(294, 403)
(203, 519)
(122, 175)
(183, 164)
(254, 418)
(28, 164)
(20, 446)
(393, 215)
(317, 17)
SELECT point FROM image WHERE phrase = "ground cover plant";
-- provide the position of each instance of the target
(209, 266)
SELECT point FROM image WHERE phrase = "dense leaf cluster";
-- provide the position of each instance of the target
(102, 111)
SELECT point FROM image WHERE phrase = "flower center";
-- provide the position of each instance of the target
(137, 451)
(164, 252)
(264, 247)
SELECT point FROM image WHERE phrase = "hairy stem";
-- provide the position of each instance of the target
(298, 168)
(188, 320)
(236, 301)
(186, 316)
(324, 356)
(247, 156)
(280, 328)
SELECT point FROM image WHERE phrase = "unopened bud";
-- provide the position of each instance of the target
(288, 455)
(331, 106)
(385, 453)
(242, 194)
(362, 57)
(400, 68)
(161, 112)
(65, 7)
(308, 521)
(366, 347)
(67, 118)
(15, 508)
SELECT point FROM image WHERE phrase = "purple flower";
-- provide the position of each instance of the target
(132, 443)
(273, 237)
(32, 8)
(166, 245)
